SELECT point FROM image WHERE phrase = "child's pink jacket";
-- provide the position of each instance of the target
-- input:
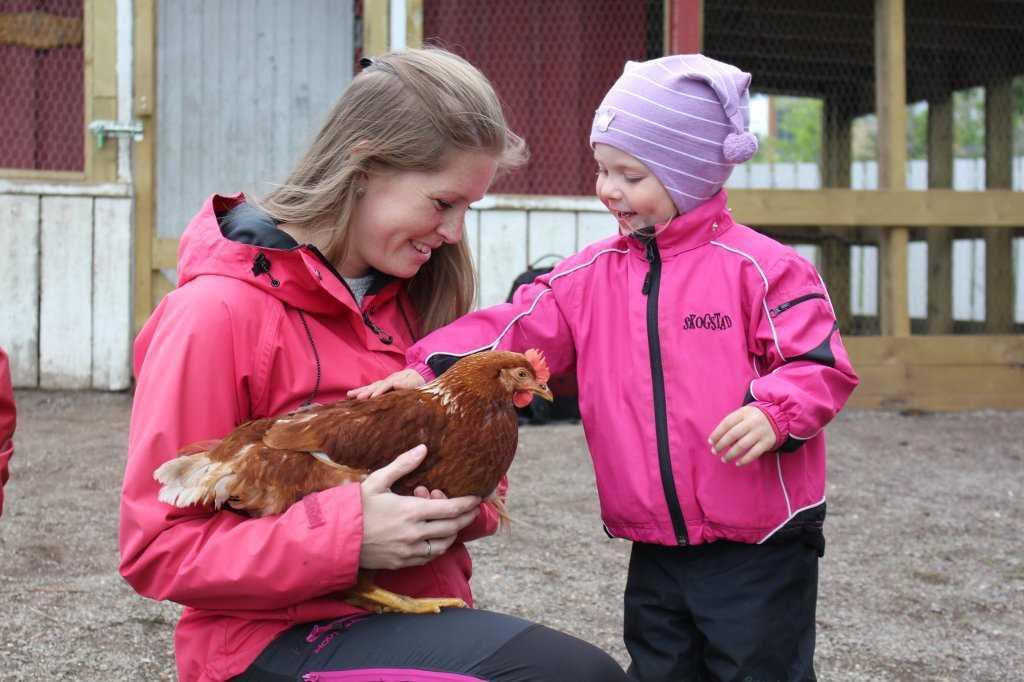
(666, 341)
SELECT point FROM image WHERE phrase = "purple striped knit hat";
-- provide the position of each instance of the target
(685, 117)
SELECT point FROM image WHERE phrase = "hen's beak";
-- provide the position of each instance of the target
(543, 391)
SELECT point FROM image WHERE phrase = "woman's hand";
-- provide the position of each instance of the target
(400, 531)
(747, 430)
(406, 378)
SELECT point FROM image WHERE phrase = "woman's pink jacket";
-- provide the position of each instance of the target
(252, 332)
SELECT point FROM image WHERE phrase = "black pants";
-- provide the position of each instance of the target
(457, 644)
(723, 611)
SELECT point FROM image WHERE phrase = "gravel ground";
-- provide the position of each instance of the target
(923, 578)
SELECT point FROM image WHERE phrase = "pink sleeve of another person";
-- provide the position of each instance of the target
(534, 319)
(7, 422)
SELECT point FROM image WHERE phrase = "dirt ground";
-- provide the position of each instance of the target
(923, 578)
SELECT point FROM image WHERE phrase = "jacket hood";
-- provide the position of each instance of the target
(264, 257)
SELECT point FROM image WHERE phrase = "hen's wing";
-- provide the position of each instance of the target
(365, 434)
(242, 472)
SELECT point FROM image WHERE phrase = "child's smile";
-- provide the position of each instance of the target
(630, 191)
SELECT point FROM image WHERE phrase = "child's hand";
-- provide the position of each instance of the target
(747, 430)
(405, 378)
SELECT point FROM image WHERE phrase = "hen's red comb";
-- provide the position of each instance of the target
(540, 367)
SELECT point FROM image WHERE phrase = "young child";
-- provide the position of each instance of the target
(709, 362)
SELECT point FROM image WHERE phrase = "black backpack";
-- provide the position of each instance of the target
(566, 405)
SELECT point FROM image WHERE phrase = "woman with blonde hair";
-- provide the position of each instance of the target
(297, 298)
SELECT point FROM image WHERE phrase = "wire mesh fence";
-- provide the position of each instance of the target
(41, 85)
(551, 63)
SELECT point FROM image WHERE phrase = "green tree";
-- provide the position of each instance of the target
(799, 128)
(797, 131)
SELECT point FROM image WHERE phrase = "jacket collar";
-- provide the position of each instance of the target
(298, 276)
(703, 224)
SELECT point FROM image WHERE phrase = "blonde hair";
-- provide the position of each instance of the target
(408, 110)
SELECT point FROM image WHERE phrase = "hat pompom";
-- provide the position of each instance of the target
(738, 147)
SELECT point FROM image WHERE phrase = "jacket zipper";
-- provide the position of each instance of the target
(789, 304)
(651, 288)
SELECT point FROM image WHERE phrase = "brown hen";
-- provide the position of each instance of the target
(466, 418)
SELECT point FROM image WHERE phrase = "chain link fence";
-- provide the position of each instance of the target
(41, 85)
(551, 63)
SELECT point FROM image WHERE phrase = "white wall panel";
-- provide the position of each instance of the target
(593, 226)
(19, 282)
(65, 305)
(551, 233)
(243, 85)
(112, 285)
(502, 253)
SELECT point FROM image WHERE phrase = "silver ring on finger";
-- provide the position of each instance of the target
(429, 550)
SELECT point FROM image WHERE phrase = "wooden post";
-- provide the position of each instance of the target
(998, 175)
(891, 105)
(375, 27)
(940, 239)
(100, 65)
(684, 26)
(144, 159)
(414, 23)
(835, 171)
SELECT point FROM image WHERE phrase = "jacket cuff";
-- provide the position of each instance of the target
(485, 523)
(780, 425)
(423, 369)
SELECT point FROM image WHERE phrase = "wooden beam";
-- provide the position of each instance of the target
(375, 27)
(39, 30)
(100, 65)
(998, 175)
(940, 142)
(938, 350)
(940, 239)
(837, 126)
(890, 93)
(414, 23)
(144, 158)
(856, 208)
(894, 314)
(685, 19)
(945, 373)
(165, 253)
(890, 102)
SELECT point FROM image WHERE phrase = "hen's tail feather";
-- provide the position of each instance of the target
(195, 479)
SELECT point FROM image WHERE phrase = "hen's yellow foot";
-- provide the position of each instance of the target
(384, 601)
